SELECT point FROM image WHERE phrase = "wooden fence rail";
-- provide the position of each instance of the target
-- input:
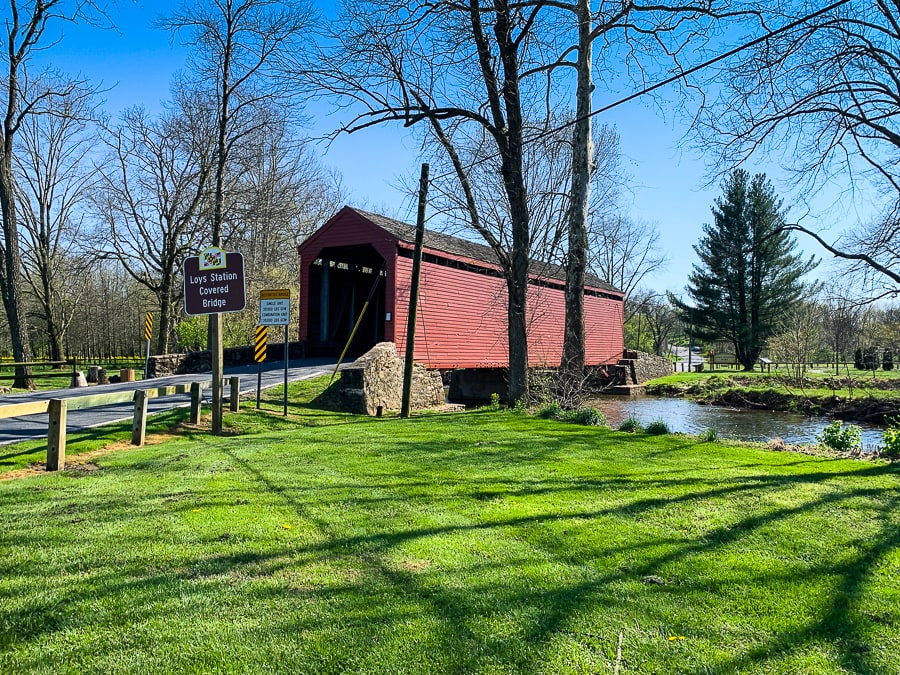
(58, 408)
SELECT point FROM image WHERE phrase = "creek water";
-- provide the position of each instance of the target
(685, 416)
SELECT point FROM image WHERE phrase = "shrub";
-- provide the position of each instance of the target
(890, 445)
(858, 359)
(657, 428)
(550, 411)
(589, 417)
(709, 435)
(887, 360)
(870, 358)
(191, 333)
(495, 401)
(631, 424)
(838, 437)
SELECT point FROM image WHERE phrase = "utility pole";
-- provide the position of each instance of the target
(414, 295)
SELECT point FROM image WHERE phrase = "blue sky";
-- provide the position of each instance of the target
(135, 63)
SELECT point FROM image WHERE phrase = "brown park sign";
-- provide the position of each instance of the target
(214, 282)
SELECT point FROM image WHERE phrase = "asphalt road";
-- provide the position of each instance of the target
(15, 429)
(682, 354)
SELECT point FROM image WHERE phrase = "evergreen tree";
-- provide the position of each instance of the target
(858, 360)
(747, 278)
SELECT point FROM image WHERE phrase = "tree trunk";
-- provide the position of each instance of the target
(573, 356)
(10, 280)
(165, 314)
(54, 339)
(54, 332)
(511, 168)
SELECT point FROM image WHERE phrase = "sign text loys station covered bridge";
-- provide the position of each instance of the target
(461, 319)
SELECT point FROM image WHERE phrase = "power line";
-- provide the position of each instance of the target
(694, 69)
(690, 71)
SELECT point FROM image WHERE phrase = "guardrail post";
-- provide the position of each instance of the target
(234, 388)
(139, 426)
(56, 435)
(195, 402)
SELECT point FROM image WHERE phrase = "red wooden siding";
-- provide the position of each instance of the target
(462, 312)
(462, 317)
(462, 320)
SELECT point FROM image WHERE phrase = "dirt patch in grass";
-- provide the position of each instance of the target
(83, 463)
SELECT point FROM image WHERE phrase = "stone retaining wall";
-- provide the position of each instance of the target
(201, 362)
(649, 366)
(375, 380)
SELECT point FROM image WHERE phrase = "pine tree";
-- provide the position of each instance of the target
(747, 278)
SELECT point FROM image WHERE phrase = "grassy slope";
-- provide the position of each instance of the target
(478, 542)
(818, 382)
(819, 394)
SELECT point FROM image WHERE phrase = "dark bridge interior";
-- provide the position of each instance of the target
(340, 281)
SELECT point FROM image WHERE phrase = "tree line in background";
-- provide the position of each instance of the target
(98, 213)
(819, 329)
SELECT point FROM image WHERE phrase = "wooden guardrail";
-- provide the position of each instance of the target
(57, 410)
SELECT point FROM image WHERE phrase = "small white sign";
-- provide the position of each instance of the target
(275, 312)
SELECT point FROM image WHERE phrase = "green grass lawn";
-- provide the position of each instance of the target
(481, 542)
(46, 378)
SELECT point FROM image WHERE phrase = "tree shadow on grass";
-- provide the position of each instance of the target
(558, 604)
(543, 579)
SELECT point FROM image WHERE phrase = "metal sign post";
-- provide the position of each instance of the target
(285, 367)
(148, 336)
(214, 284)
(275, 310)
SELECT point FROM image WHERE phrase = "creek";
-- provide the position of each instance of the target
(682, 415)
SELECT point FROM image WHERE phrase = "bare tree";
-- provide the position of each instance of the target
(796, 342)
(482, 74)
(547, 165)
(239, 45)
(54, 176)
(824, 97)
(651, 322)
(624, 252)
(108, 321)
(21, 97)
(282, 194)
(150, 202)
(644, 37)
(869, 253)
(407, 62)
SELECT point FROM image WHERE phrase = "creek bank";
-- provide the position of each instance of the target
(753, 393)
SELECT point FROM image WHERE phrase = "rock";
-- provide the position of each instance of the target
(375, 380)
(654, 580)
(79, 380)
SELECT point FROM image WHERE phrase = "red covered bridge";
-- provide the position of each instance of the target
(461, 320)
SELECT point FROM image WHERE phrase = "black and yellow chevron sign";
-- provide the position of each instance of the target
(262, 339)
(148, 326)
